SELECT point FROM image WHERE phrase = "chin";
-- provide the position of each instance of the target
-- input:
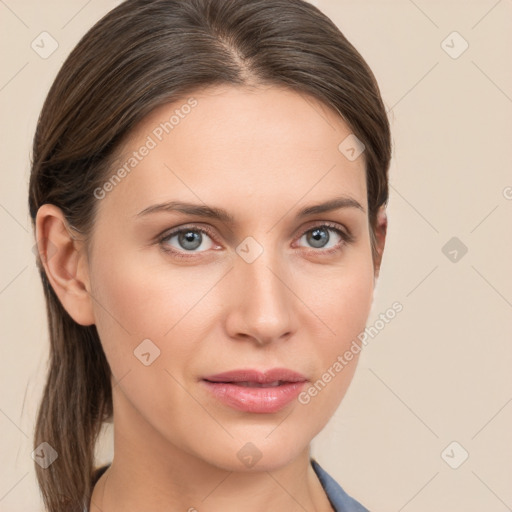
(259, 452)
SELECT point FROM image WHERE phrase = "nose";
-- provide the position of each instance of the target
(261, 305)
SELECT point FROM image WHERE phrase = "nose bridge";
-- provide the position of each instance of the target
(263, 308)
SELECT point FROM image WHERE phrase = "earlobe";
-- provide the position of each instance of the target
(381, 224)
(63, 258)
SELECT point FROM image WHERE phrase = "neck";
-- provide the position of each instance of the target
(290, 488)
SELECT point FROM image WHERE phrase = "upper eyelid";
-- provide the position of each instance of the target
(209, 231)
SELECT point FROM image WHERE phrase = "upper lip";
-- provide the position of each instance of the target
(261, 377)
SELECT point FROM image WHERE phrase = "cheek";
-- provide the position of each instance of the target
(142, 313)
(351, 302)
(136, 296)
(344, 300)
(140, 297)
(343, 306)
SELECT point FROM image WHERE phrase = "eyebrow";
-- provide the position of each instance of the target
(222, 215)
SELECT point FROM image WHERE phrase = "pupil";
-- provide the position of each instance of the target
(190, 240)
(320, 237)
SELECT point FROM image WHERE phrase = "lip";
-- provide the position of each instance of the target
(226, 387)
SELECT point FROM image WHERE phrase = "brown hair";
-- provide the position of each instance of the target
(141, 55)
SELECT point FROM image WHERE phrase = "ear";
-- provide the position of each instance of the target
(381, 225)
(64, 260)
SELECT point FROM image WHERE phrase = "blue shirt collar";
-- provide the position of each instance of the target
(340, 500)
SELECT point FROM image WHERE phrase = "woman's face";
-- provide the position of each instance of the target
(270, 288)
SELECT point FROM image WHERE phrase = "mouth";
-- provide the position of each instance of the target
(269, 377)
(249, 384)
(256, 391)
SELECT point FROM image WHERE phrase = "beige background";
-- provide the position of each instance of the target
(435, 374)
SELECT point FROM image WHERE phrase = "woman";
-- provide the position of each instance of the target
(208, 194)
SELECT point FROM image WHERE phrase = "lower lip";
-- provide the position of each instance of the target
(255, 400)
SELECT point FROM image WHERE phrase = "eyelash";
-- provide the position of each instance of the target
(346, 237)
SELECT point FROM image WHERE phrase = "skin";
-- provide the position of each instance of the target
(262, 154)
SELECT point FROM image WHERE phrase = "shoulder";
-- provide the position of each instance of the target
(339, 499)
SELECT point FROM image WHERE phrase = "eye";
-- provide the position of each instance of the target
(320, 237)
(187, 239)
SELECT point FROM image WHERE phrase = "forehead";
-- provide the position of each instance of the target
(262, 146)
